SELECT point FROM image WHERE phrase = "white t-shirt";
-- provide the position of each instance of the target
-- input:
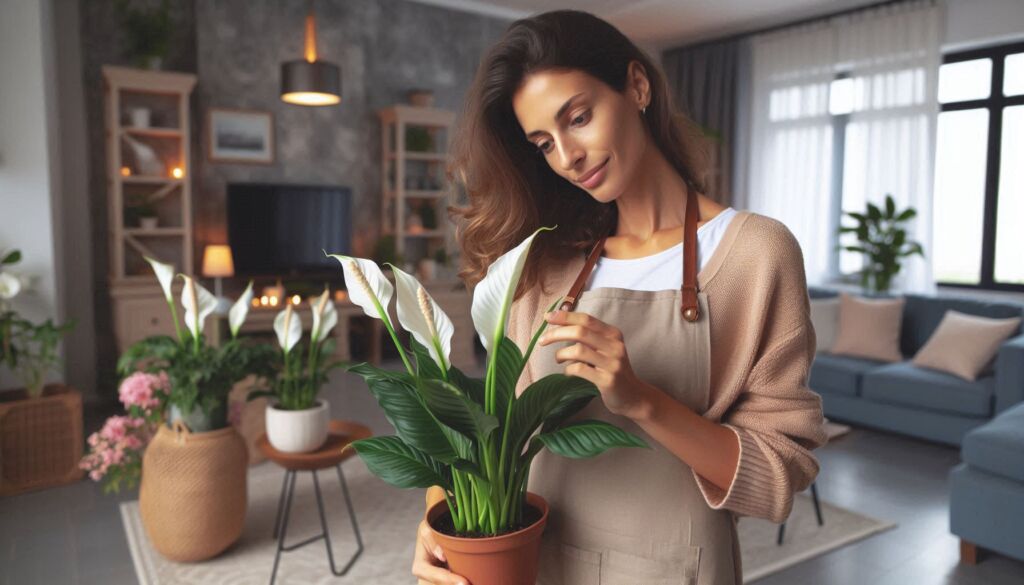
(661, 271)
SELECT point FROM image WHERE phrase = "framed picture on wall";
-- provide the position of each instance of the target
(239, 136)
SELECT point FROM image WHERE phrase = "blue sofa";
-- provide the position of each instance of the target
(919, 402)
(986, 500)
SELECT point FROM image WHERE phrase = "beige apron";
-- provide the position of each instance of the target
(636, 516)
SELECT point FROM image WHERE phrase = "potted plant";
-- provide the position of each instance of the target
(296, 421)
(471, 436)
(40, 422)
(148, 32)
(883, 241)
(192, 497)
(141, 212)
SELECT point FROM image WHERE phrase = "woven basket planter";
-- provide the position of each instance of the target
(193, 496)
(40, 438)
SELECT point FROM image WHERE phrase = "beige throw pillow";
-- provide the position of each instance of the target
(963, 344)
(869, 328)
(825, 319)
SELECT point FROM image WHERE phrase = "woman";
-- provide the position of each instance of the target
(569, 124)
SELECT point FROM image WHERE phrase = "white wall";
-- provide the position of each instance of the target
(28, 209)
(971, 23)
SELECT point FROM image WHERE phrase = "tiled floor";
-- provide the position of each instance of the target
(73, 534)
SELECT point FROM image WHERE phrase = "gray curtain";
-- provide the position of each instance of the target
(703, 79)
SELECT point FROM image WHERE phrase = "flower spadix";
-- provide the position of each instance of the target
(325, 317)
(288, 327)
(367, 286)
(238, 312)
(198, 303)
(421, 316)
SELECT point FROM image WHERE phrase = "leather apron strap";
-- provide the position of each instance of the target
(689, 305)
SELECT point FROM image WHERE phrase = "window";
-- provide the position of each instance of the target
(977, 219)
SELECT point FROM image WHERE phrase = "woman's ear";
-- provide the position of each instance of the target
(640, 86)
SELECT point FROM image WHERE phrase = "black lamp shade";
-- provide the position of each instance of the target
(310, 84)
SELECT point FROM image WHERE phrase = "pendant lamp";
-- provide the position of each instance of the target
(309, 82)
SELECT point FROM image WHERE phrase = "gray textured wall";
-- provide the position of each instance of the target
(384, 48)
(236, 47)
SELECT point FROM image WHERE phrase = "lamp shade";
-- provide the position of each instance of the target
(217, 261)
(310, 84)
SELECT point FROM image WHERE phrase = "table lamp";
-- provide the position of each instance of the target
(217, 263)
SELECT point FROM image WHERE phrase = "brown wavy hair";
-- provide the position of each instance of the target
(511, 188)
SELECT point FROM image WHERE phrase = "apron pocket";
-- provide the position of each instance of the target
(620, 568)
(580, 566)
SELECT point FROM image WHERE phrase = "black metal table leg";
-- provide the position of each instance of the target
(290, 483)
(280, 504)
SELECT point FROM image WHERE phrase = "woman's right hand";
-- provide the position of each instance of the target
(429, 565)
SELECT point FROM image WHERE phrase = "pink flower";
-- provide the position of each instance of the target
(140, 389)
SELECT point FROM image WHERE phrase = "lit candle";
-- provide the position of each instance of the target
(296, 299)
(255, 302)
(264, 300)
(273, 301)
(177, 173)
(126, 172)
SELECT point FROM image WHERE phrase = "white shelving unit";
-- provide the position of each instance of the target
(414, 177)
(137, 301)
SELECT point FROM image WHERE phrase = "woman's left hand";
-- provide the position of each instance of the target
(599, 356)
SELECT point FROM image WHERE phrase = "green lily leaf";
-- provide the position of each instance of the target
(539, 401)
(399, 464)
(454, 408)
(588, 438)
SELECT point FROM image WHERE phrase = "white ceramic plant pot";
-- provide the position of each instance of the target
(298, 431)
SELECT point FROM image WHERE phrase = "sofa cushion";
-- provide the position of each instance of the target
(825, 319)
(922, 315)
(908, 385)
(963, 344)
(998, 446)
(869, 328)
(839, 374)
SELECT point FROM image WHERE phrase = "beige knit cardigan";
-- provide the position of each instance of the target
(762, 345)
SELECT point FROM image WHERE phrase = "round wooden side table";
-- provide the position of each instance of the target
(341, 433)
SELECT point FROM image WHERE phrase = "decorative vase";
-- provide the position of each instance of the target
(193, 495)
(148, 222)
(507, 559)
(298, 431)
(140, 117)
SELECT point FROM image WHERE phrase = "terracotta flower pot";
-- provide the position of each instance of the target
(508, 559)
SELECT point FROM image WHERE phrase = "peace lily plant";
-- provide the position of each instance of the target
(473, 437)
(296, 421)
(200, 376)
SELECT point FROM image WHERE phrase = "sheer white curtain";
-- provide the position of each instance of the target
(843, 112)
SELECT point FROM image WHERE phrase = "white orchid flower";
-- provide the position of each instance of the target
(325, 317)
(238, 312)
(10, 286)
(367, 286)
(423, 318)
(492, 297)
(288, 327)
(165, 274)
(198, 303)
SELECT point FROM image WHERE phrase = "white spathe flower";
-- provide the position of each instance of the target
(325, 317)
(288, 327)
(164, 273)
(365, 283)
(492, 297)
(238, 312)
(198, 303)
(10, 286)
(423, 317)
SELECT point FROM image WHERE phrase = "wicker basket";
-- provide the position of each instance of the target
(40, 438)
(192, 499)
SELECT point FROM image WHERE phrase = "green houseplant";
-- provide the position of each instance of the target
(296, 421)
(148, 32)
(473, 437)
(882, 239)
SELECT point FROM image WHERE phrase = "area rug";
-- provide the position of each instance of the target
(388, 518)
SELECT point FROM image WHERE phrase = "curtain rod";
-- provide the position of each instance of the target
(795, 23)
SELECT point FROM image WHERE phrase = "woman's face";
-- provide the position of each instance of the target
(580, 125)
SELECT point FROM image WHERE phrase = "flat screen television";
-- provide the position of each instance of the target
(283, 230)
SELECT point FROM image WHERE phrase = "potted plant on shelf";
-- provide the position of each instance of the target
(148, 32)
(40, 422)
(141, 212)
(296, 421)
(192, 496)
(471, 436)
(883, 241)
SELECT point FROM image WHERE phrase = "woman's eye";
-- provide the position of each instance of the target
(543, 146)
(582, 117)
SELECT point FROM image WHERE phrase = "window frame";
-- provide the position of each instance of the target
(994, 104)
